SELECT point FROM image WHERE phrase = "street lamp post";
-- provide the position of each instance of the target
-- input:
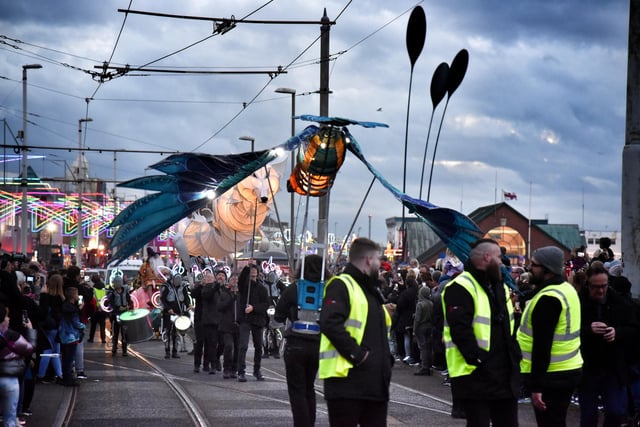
(248, 138)
(25, 204)
(292, 240)
(79, 177)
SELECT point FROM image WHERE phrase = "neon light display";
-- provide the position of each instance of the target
(51, 206)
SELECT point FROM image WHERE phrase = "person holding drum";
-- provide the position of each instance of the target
(119, 301)
(174, 296)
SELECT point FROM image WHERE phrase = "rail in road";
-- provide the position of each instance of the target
(145, 389)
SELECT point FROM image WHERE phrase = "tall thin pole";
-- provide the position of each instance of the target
(25, 203)
(79, 235)
(292, 222)
(323, 202)
(630, 209)
(529, 226)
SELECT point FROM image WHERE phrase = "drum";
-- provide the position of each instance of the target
(136, 325)
(182, 323)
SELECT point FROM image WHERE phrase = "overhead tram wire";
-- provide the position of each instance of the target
(97, 150)
(128, 11)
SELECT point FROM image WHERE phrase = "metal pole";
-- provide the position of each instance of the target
(25, 203)
(292, 226)
(323, 202)
(630, 214)
(79, 237)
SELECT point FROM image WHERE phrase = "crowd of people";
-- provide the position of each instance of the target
(558, 331)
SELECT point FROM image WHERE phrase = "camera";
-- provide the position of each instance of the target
(87, 279)
(30, 279)
(80, 299)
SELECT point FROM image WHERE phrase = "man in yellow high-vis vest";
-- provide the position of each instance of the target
(355, 360)
(479, 337)
(549, 337)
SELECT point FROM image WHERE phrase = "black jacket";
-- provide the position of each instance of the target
(228, 309)
(210, 296)
(406, 306)
(255, 294)
(368, 379)
(600, 356)
(498, 373)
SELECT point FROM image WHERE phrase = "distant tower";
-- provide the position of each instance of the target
(78, 171)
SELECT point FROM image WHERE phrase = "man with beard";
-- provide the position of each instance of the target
(355, 360)
(481, 351)
(549, 337)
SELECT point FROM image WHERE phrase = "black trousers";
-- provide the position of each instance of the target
(354, 412)
(99, 319)
(198, 346)
(301, 363)
(557, 402)
(171, 333)
(210, 334)
(117, 329)
(256, 335)
(231, 350)
(495, 413)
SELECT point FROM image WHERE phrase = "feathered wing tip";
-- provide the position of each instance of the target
(456, 230)
(339, 121)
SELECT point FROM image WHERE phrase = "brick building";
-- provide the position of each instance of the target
(517, 233)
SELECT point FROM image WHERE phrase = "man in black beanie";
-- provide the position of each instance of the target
(549, 338)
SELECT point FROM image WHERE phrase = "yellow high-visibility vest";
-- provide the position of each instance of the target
(456, 364)
(331, 363)
(565, 349)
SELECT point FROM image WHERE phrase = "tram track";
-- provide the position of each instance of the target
(191, 406)
(159, 392)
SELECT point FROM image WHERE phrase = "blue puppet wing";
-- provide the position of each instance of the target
(456, 230)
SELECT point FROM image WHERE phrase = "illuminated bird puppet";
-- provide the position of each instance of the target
(192, 180)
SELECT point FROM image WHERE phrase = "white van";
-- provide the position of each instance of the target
(129, 269)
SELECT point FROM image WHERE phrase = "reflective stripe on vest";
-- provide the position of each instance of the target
(331, 363)
(565, 348)
(481, 324)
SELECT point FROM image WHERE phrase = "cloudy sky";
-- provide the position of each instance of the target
(540, 113)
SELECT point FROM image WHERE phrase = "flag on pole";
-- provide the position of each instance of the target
(508, 195)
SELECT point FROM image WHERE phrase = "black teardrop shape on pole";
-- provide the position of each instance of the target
(416, 34)
(439, 84)
(457, 70)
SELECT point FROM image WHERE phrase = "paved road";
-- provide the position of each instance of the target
(147, 390)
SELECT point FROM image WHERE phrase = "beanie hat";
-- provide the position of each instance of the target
(220, 271)
(551, 258)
